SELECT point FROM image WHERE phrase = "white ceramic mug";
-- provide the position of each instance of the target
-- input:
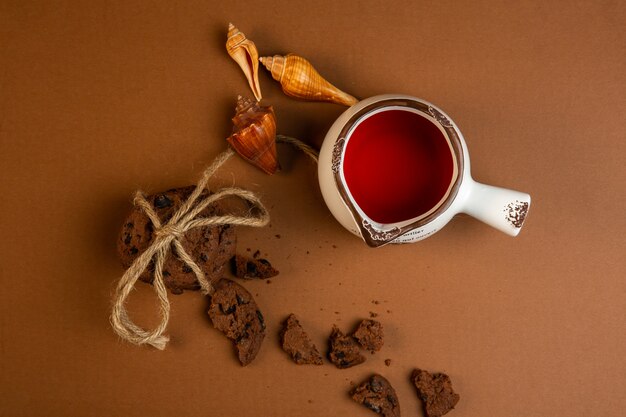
(501, 208)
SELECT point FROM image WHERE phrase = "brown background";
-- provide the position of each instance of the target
(100, 98)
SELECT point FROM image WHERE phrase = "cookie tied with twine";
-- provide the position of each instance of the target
(167, 238)
(209, 247)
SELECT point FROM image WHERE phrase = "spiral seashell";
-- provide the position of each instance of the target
(244, 52)
(254, 134)
(300, 80)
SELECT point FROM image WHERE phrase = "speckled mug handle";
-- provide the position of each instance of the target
(498, 207)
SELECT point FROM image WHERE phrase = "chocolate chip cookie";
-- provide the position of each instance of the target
(209, 247)
(234, 312)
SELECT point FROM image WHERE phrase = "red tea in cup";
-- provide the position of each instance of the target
(398, 165)
(395, 169)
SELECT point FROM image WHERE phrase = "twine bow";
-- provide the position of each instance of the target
(167, 237)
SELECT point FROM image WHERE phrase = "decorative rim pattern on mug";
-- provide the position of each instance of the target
(377, 237)
(336, 158)
(380, 235)
(443, 120)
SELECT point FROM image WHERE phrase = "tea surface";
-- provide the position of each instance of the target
(397, 165)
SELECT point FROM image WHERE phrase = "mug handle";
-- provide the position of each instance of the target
(500, 208)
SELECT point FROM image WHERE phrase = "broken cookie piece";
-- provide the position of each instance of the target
(378, 395)
(344, 350)
(250, 268)
(369, 334)
(297, 343)
(234, 312)
(435, 391)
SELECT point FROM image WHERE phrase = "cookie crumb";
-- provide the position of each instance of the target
(373, 315)
(344, 350)
(378, 395)
(248, 268)
(297, 343)
(369, 334)
(435, 391)
(388, 362)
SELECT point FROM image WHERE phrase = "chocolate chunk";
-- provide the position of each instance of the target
(209, 247)
(369, 334)
(378, 395)
(234, 312)
(162, 201)
(297, 343)
(435, 391)
(344, 350)
(250, 268)
(261, 319)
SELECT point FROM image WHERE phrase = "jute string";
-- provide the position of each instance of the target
(167, 238)
(308, 151)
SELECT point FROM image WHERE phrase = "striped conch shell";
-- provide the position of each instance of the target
(300, 80)
(254, 134)
(244, 52)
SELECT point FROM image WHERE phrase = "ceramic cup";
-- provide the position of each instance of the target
(422, 193)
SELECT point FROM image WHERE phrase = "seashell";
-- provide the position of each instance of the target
(254, 134)
(244, 52)
(300, 80)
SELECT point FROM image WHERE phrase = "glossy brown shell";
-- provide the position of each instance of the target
(254, 134)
